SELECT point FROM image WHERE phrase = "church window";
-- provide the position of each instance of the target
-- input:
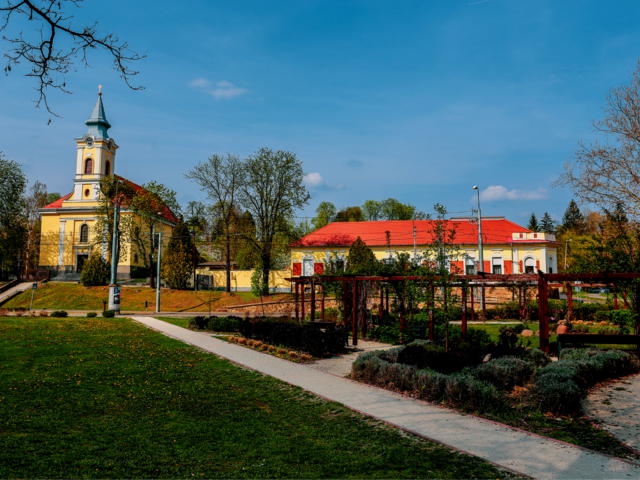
(88, 166)
(87, 193)
(84, 233)
(107, 168)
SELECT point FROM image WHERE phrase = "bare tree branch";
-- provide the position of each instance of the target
(49, 64)
(608, 174)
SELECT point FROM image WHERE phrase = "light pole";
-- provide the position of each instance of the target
(566, 244)
(114, 290)
(480, 255)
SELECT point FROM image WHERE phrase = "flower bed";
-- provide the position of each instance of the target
(280, 352)
(463, 380)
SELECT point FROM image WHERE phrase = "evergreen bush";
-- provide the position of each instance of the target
(108, 314)
(92, 314)
(504, 372)
(59, 314)
(177, 260)
(95, 271)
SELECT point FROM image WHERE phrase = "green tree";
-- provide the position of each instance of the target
(533, 223)
(177, 260)
(52, 197)
(372, 211)
(350, 214)
(272, 191)
(361, 259)
(547, 224)
(95, 271)
(573, 218)
(325, 214)
(13, 234)
(222, 177)
(392, 209)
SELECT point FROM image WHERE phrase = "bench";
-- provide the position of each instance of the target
(567, 339)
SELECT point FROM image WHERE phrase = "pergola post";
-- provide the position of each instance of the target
(484, 304)
(387, 295)
(464, 313)
(313, 301)
(381, 307)
(354, 317)
(520, 303)
(615, 297)
(363, 317)
(322, 304)
(472, 307)
(542, 311)
(297, 287)
(302, 300)
(569, 302)
(344, 302)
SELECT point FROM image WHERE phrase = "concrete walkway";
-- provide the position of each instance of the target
(519, 451)
(616, 408)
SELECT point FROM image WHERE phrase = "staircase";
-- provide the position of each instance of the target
(13, 291)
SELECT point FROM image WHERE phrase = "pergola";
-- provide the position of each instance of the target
(542, 280)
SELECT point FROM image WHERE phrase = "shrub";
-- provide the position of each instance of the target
(43, 313)
(504, 372)
(224, 324)
(108, 314)
(305, 357)
(19, 312)
(199, 323)
(4, 312)
(59, 314)
(293, 354)
(281, 351)
(272, 348)
(467, 391)
(250, 343)
(556, 390)
(95, 271)
(535, 356)
(242, 341)
(427, 355)
(92, 314)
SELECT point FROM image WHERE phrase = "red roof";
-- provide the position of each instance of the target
(166, 213)
(58, 203)
(401, 233)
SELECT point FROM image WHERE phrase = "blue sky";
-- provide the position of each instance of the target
(413, 100)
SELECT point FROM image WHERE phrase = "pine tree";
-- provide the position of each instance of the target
(573, 218)
(546, 224)
(533, 223)
(177, 261)
(95, 271)
(361, 258)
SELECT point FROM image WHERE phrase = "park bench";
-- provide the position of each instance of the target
(567, 339)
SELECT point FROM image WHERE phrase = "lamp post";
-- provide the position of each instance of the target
(114, 290)
(159, 267)
(480, 255)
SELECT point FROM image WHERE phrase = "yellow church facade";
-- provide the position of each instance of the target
(68, 224)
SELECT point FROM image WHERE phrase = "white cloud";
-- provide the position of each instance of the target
(315, 181)
(498, 192)
(200, 82)
(222, 90)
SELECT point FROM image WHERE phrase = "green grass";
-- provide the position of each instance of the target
(179, 321)
(108, 398)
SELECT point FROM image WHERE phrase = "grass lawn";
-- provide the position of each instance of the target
(71, 296)
(493, 331)
(108, 398)
(179, 321)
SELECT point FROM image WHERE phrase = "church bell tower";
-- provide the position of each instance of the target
(96, 155)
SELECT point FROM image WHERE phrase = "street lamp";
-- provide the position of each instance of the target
(114, 290)
(566, 244)
(159, 267)
(480, 256)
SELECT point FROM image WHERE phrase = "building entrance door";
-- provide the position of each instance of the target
(81, 261)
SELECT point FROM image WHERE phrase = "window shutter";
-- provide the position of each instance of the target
(297, 269)
(521, 267)
(457, 267)
(508, 267)
(487, 266)
(538, 264)
(318, 268)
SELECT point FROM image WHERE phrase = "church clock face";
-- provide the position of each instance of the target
(89, 142)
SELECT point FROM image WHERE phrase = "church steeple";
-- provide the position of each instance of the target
(98, 124)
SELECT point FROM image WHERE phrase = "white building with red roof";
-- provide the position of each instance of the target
(68, 238)
(507, 247)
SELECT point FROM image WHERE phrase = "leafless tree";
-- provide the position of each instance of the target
(46, 61)
(608, 174)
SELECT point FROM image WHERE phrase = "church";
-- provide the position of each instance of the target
(68, 237)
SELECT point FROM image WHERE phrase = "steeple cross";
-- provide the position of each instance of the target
(99, 89)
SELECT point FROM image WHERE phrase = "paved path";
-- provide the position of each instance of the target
(522, 452)
(341, 365)
(19, 288)
(616, 408)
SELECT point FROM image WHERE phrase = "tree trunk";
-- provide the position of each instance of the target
(228, 266)
(266, 262)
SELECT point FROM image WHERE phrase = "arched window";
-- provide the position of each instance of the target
(107, 168)
(529, 264)
(84, 233)
(88, 166)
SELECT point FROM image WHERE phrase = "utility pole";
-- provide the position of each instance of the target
(114, 290)
(480, 255)
(158, 276)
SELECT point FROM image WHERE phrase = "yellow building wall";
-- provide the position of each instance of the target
(241, 279)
